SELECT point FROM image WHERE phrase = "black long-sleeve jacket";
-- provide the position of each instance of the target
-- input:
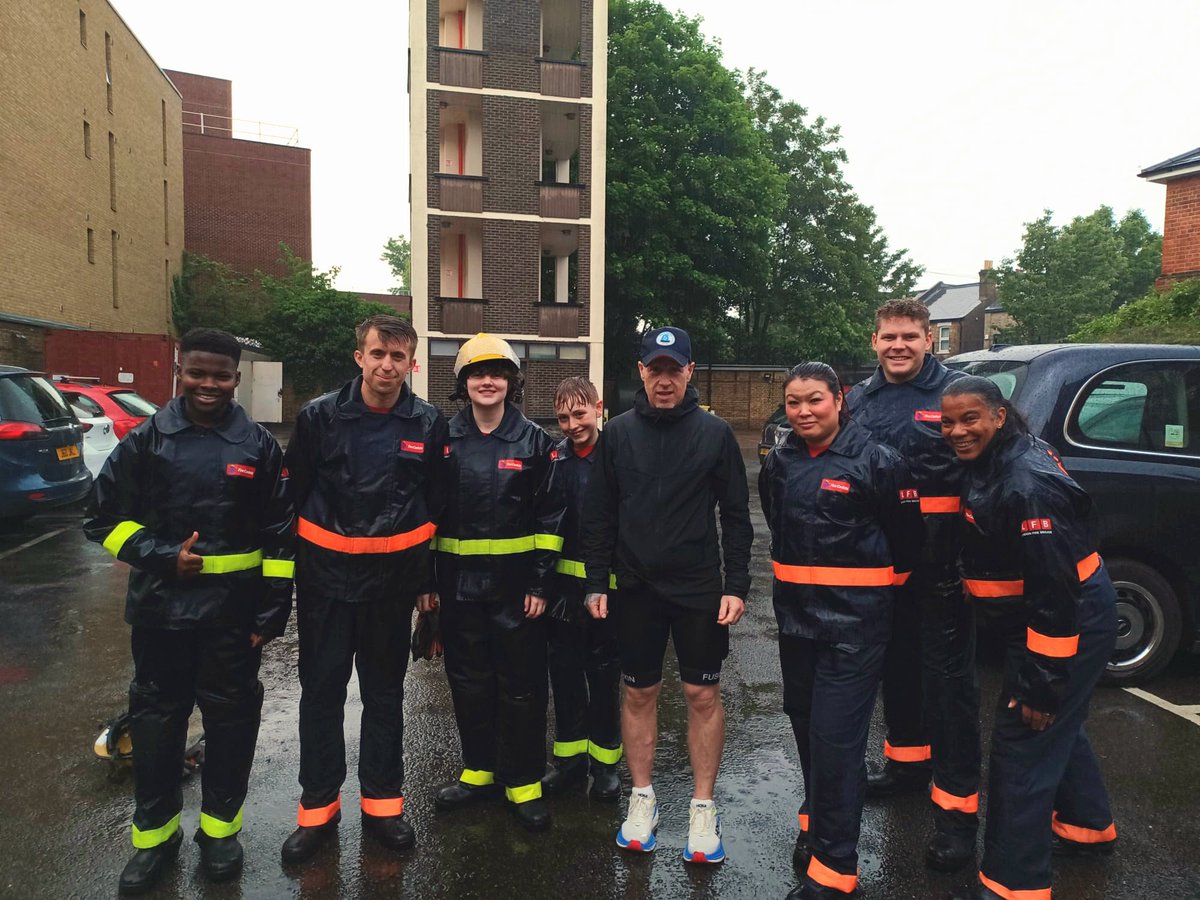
(908, 418)
(368, 488)
(659, 475)
(1028, 556)
(499, 537)
(169, 478)
(846, 529)
(574, 474)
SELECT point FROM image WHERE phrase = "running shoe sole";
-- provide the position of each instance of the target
(650, 844)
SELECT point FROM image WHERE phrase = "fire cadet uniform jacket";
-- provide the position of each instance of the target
(908, 417)
(168, 478)
(845, 529)
(1029, 553)
(499, 534)
(368, 488)
(658, 475)
(574, 473)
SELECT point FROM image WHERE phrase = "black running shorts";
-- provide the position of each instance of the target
(644, 621)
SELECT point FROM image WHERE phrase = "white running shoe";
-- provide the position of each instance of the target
(704, 834)
(637, 832)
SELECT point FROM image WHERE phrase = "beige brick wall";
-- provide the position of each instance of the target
(53, 193)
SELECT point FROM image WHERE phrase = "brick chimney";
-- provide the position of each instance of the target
(987, 284)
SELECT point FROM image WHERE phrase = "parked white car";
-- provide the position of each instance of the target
(99, 437)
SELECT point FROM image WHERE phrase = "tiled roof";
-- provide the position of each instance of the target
(1159, 171)
(949, 302)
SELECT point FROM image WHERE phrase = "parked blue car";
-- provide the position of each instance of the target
(41, 447)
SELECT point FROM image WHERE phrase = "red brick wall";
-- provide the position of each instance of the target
(22, 345)
(1181, 228)
(512, 36)
(212, 97)
(511, 276)
(243, 198)
(511, 160)
(401, 303)
(102, 354)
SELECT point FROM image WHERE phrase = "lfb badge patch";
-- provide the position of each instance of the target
(665, 339)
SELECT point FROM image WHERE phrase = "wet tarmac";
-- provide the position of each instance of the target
(64, 817)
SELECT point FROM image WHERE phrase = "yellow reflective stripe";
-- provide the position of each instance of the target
(548, 542)
(152, 837)
(570, 748)
(605, 755)
(612, 581)
(119, 535)
(484, 546)
(572, 567)
(230, 562)
(215, 828)
(278, 568)
(477, 777)
(524, 793)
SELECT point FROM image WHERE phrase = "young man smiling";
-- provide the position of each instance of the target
(194, 500)
(366, 464)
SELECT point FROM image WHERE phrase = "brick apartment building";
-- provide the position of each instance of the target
(242, 197)
(1181, 224)
(92, 213)
(507, 101)
(958, 313)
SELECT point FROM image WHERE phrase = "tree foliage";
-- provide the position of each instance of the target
(1064, 277)
(210, 294)
(397, 253)
(1171, 317)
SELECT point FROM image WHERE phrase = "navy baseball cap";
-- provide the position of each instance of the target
(670, 342)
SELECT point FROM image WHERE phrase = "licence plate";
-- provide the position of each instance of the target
(71, 452)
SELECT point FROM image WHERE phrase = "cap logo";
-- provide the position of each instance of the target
(665, 339)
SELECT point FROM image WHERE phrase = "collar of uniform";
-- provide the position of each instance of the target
(1001, 452)
(567, 450)
(931, 371)
(350, 402)
(509, 428)
(234, 426)
(690, 403)
(850, 440)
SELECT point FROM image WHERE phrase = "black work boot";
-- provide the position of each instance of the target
(566, 771)
(606, 783)
(146, 867)
(393, 832)
(802, 852)
(810, 890)
(1061, 846)
(303, 843)
(898, 778)
(532, 814)
(949, 851)
(220, 858)
(458, 794)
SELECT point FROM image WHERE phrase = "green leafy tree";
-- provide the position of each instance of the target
(210, 294)
(1170, 317)
(397, 253)
(1064, 277)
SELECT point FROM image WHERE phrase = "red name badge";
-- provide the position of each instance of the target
(412, 447)
(239, 471)
(909, 494)
(928, 415)
(968, 515)
(445, 449)
(283, 473)
(553, 455)
(514, 465)
(829, 484)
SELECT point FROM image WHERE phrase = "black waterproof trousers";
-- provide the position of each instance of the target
(373, 636)
(174, 670)
(829, 693)
(907, 741)
(585, 675)
(496, 665)
(1048, 782)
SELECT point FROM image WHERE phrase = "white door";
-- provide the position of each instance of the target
(266, 397)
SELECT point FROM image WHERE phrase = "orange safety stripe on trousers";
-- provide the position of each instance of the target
(835, 576)
(907, 754)
(1081, 835)
(1087, 567)
(310, 818)
(1058, 647)
(382, 808)
(823, 875)
(803, 817)
(315, 534)
(941, 504)
(953, 803)
(1007, 894)
(978, 587)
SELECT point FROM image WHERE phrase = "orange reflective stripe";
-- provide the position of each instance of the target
(823, 875)
(907, 754)
(954, 803)
(1088, 566)
(835, 576)
(803, 817)
(978, 587)
(315, 534)
(996, 887)
(900, 578)
(941, 504)
(1059, 647)
(1081, 835)
(392, 806)
(310, 818)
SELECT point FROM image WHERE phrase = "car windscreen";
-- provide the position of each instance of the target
(30, 398)
(1009, 374)
(134, 404)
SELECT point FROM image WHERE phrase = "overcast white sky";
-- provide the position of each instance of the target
(962, 120)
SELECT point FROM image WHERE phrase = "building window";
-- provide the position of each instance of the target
(543, 351)
(167, 282)
(166, 214)
(115, 295)
(943, 339)
(443, 348)
(108, 68)
(83, 28)
(112, 171)
(460, 24)
(91, 246)
(87, 139)
(164, 131)
(572, 351)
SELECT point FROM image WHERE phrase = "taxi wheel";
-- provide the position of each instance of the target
(1149, 623)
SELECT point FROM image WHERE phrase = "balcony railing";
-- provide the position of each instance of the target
(559, 200)
(561, 77)
(461, 68)
(461, 316)
(558, 320)
(460, 193)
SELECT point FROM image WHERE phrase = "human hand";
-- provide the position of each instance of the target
(596, 605)
(257, 640)
(1035, 719)
(428, 602)
(534, 606)
(188, 563)
(732, 609)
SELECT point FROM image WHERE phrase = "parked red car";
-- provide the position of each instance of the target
(125, 407)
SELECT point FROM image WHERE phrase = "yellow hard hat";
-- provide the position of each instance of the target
(483, 347)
